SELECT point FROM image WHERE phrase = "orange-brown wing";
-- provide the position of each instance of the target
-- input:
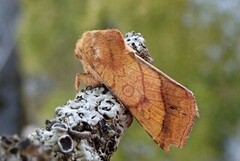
(179, 105)
(163, 107)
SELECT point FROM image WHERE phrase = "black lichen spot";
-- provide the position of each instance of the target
(97, 142)
(24, 144)
(50, 123)
(76, 128)
(79, 97)
(106, 116)
(118, 132)
(60, 126)
(86, 126)
(13, 151)
(89, 88)
(6, 140)
(106, 108)
(109, 102)
(96, 95)
(105, 90)
(81, 114)
(65, 143)
(111, 146)
(58, 112)
(23, 158)
(121, 126)
(111, 127)
(103, 126)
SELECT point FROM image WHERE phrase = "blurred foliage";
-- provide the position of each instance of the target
(195, 42)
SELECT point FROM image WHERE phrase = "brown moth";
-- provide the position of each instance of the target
(165, 108)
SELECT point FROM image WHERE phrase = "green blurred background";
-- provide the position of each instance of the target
(196, 42)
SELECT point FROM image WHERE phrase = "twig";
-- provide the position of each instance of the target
(87, 128)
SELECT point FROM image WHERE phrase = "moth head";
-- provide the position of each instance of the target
(85, 47)
(99, 44)
(79, 50)
(82, 46)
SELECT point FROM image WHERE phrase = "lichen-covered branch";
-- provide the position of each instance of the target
(87, 128)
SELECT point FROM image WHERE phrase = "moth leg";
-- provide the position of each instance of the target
(87, 79)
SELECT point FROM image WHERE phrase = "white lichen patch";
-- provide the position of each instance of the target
(137, 42)
(89, 127)
(13, 148)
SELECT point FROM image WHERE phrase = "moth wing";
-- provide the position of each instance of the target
(177, 102)
(162, 106)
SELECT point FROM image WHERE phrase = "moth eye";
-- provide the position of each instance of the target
(79, 54)
(80, 50)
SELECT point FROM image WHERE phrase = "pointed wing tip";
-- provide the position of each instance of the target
(166, 147)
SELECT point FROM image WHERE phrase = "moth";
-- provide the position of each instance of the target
(164, 108)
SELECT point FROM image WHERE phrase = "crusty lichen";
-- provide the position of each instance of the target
(89, 127)
(137, 42)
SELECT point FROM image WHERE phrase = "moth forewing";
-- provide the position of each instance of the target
(165, 108)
